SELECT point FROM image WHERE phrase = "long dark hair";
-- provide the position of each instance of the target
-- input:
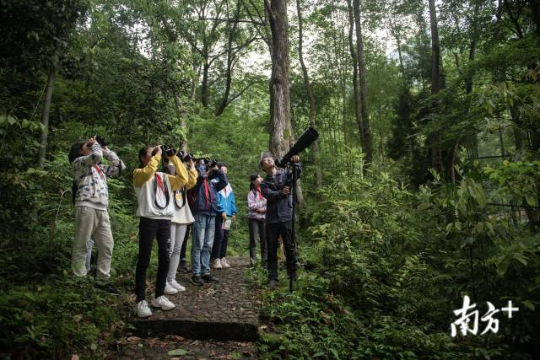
(142, 154)
(75, 151)
(252, 178)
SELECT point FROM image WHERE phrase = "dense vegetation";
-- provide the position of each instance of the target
(423, 187)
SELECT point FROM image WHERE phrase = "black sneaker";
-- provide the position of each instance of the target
(210, 278)
(272, 284)
(107, 288)
(183, 267)
(196, 280)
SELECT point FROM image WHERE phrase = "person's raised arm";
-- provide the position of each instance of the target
(117, 165)
(192, 176)
(90, 160)
(140, 176)
(181, 178)
(222, 181)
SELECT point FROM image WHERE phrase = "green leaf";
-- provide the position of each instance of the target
(528, 304)
(178, 352)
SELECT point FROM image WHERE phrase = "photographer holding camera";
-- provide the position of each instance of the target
(91, 199)
(276, 188)
(205, 209)
(156, 207)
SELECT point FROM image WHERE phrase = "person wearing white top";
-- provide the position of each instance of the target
(154, 191)
(180, 221)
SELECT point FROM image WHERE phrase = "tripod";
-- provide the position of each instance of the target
(295, 169)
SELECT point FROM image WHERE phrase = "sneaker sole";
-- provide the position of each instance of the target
(162, 308)
(143, 317)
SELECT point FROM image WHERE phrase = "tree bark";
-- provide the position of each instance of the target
(45, 116)
(230, 59)
(366, 134)
(281, 135)
(356, 91)
(312, 120)
(435, 137)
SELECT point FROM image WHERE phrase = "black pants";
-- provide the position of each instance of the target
(148, 230)
(273, 232)
(221, 239)
(184, 245)
(257, 228)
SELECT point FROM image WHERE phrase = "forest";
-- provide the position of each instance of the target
(423, 187)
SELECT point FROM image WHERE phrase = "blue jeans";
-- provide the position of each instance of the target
(203, 240)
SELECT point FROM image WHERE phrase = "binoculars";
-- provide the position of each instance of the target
(185, 157)
(169, 151)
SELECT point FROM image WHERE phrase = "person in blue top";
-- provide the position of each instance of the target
(226, 211)
(205, 209)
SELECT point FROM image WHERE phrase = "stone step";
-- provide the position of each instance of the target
(219, 311)
(177, 347)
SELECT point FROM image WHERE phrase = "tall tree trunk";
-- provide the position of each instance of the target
(366, 134)
(434, 138)
(356, 91)
(281, 135)
(204, 84)
(312, 121)
(230, 59)
(45, 116)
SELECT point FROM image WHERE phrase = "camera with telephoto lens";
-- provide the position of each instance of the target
(213, 163)
(102, 141)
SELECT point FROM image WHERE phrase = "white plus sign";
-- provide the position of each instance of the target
(510, 309)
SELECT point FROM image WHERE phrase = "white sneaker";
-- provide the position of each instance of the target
(169, 289)
(163, 303)
(176, 285)
(225, 264)
(217, 264)
(143, 311)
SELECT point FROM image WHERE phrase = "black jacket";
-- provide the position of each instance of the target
(279, 206)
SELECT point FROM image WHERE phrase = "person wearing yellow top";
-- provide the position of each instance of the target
(180, 221)
(154, 190)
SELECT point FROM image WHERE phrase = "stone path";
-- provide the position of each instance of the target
(214, 321)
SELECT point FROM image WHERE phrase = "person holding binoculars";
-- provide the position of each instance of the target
(91, 199)
(276, 188)
(156, 207)
(210, 181)
(181, 219)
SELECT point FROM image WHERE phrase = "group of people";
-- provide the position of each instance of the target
(176, 194)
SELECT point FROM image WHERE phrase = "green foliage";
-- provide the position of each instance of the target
(388, 266)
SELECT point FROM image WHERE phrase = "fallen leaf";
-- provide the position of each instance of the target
(178, 352)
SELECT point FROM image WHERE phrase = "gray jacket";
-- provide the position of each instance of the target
(278, 206)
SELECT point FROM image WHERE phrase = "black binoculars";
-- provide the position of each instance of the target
(185, 157)
(102, 141)
(169, 151)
